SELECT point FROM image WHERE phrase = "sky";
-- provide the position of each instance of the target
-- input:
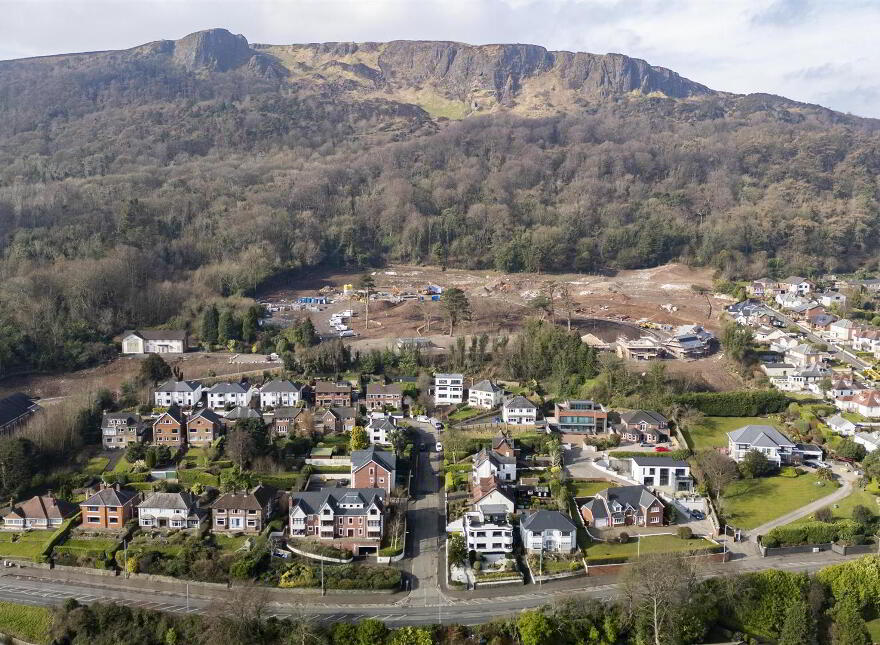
(817, 51)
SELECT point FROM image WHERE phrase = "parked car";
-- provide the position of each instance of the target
(661, 449)
(698, 515)
(439, 447)
(422, 418)
(438, 426)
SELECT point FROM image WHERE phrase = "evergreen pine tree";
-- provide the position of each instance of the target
(209, 325)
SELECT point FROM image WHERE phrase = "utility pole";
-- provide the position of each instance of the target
(541, 563)
(125, 555)
(638, 546)
(323, 592)
(187, 597)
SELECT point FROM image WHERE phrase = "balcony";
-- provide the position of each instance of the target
(327, 523)
(327, 534)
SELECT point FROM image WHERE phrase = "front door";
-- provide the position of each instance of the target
(163, 522)
(350, 532)
(236, 523)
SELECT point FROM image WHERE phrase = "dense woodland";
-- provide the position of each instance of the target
(132, 191)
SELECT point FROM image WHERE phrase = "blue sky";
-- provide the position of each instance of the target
(810, 50)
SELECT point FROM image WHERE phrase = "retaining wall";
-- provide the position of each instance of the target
(788, 550)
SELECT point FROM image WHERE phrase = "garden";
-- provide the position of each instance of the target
(27, 545)
(25, 622)
(86, 551)
(589, 487)
(300, 573)
(615, 551)
(711, 432)
(748, 503)
(555, 563)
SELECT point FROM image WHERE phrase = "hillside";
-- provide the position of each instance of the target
(135, 185)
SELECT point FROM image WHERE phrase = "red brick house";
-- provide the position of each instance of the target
(328, 395)
(623, 506)
(244, 511)
(373, 468)
(170, 428)
(351, 517)
(379, 396)
(643, 425)
(203, 427)
(109, 508)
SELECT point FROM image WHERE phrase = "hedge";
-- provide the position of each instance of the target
(672, 454)
(735, 404)
(846, 531)
(60, 534)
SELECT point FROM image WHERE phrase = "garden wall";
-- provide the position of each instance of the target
(788, 550)
(315, 556)
(857, 549)
(332, 461)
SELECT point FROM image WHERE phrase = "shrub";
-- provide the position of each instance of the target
(824, 515)
(862, 514)
(735, 404)
(788, 471)
(623, 538)
(685, 533)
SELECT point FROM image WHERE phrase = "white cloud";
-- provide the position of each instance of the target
(809, 50)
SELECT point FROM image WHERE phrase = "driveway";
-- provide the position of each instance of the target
(579, 465)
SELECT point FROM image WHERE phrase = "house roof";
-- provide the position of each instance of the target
(109, 496)
(543, 520)
(760, 436)
(288, 412)
(179, 386)
(342, 413)
(158, 334)
(280, 385)
(496, 458)
(869, 438)
(129, 418)
(486, 386)
(179, 501)
(173, 412)
(794, 279)
(243, 412)
(867, 398)
(15, 406)
(42, 507)
(493, 509)
(500, 439)
(823, 320)
(207, 413)
(449, 375)
(227, 388)
(636, 417)
(517, 402)
(379, 388)
(360, 458)
(635, 496)
(486, 486)
(326, 387)
(649, 460)
(843, 323)
(837, 421)
(312, 501)
(253, 500)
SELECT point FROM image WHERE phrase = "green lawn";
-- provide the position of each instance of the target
(649, 544)
(711, 432)
(25, 622)
(27, 545)
(748, 503)
(96, 466)
(228, 543)
(874, 630)
(585, 488)
(466, 413)
(89, 544)
(845, 506)
(122, 466)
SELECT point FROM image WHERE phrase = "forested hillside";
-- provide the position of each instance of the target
(136, 184)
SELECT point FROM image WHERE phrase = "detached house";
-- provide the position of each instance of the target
(171, 511)
(223, 395)
(623, 506)
(280, 393)
(338, 419)
(185, 393)
(841, 425)
(797, 284)
(119, 429)
(766, 439)
(486, 529)
(485, 394)
(581, 417)
(39, 512)
(154, 341)
(498, 461)
(244, 511)
(169, 429)
(373, 468)
(488, 490)
(643, 426)
(518, 410)
(354, 516)
(830, 298)
(379, 396)
(203, 427)
(662, 472)
(866, 403)
(448, 389)
(286, 421)
(109, 508)
(379, 430)
(329, 395)
(842, 329)
(547, 531)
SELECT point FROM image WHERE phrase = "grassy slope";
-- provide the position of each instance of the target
(28, 623)
(845, 506)
(583, 488)
(649, 544)
(712, 431)
(751, 502)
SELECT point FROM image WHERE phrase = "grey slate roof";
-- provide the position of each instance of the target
(384, 458)
(207, 413)
(111, 497)
(158, 334)
(312, 501)
(837, 421)
(544, 520)
(650, 417)
(493, 509)
(181, 501)
(760, 437)
(227, 388)
(179, 386)
(254, 500)
(485, 386)
(379, 388)
(518, 402)
(649, 460)
(129, 418)
(492, 456)
(280, 385)
(288, 412)
(243, 412)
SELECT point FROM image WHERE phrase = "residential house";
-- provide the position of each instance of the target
(684, 346)
(486, 529)
(639, 349)
(623, 506)
(822, 322)
(120, 429)
(643, 426)
(518, 410)
(241, 413)
(662, 472)
(840, 425)
(203, 427)
(488, 490)
(373, 468)
(797, 284)
(803, 379)
(842, 330)
(778, 448)
(38, 512)
(280, 393)
(804, 355)
(549, 531)
(842, 386)
(448, 389)
(485, 394)
(489, 463)
(379, 430)
(230, 395)
(870, 440)
(505, 445)
(155, 341)
(380, 396)
(791, 301)
(244, 511)
(866, 403)
(287, 420)
(15, 410)
(109, 508)
(829, 298)
(764, 288)
(329, 395)
(778, 370)
(866, 340)
(185, 393)
(766, 334)
(169, 429)
(580, 417)
(338, 419)
(170, 511)
(352, 515)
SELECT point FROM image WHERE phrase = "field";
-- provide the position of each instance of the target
(711, 432)
(649, 544)
(749, 503)
(30, 624)
(843, 508)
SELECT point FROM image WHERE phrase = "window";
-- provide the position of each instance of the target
(252, 522)
(93, 509)
(221, 521)
(94, 519)
(351, 520)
